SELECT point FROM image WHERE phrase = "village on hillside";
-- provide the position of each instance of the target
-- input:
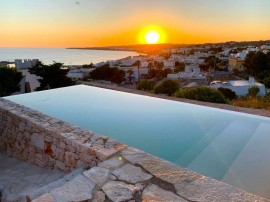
(214, 66)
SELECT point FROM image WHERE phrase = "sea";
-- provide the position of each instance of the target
(66, 56)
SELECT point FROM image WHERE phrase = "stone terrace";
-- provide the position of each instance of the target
(112, 170)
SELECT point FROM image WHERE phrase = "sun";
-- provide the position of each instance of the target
(152, 37)
(152, 34)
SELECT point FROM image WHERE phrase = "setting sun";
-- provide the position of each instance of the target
(152, 37)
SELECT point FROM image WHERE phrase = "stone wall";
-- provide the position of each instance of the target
(117, 172)
(31, 136)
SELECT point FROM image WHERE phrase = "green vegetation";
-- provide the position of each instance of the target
(130, 73)
(10, 79)
(228, 93)
(52, 76)
(138, 65)
(167, 86)
(256, 62)
(179, 67)
(253, 102)
(205, 94)
(147, 85)
(156, 71)
(114, 74)
(90, 66)
(253, 91)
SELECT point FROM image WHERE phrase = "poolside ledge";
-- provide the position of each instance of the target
(112, 170)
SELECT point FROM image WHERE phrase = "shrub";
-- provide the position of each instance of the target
(266, 82)
(9, 80)
(167, 86)
(253, 102)
(201, 93)
(145, 85)
(253, 91)
(228, 93)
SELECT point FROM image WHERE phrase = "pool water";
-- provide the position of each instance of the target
(228, 146)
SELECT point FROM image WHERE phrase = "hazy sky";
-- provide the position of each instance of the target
(81, 23)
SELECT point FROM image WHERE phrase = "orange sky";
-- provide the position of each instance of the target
(65, 23)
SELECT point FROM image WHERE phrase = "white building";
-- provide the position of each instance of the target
(265, 47)
(24, 64)
(240, 87)
(191, 73)
(135, 74)
(79, 73)
(169, 64)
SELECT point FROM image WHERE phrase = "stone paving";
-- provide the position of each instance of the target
(133, 175)
(19, 179)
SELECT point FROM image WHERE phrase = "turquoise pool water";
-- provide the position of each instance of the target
(228, 146)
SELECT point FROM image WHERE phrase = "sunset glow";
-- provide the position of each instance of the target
(82, 23)
(152, 37)
(152, 34)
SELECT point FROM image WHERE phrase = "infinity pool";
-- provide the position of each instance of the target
(228, 146)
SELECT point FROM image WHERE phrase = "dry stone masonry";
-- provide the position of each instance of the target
(112, 171)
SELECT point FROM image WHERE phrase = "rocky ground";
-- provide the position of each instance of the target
(133, 176)
(20, 180)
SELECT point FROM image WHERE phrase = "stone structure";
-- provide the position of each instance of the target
(39, 139)
(26, 63)
(113, 171)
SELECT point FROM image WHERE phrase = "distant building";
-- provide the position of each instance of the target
(191, 73)
(236, 63)
(24, 64)
(134, 77)
(79, 73)
(240, 87)
(265, 47)
(169, 64)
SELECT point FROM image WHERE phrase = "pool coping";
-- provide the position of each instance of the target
(257, 112)
(156, 176)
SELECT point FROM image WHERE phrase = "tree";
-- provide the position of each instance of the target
(146, 85)
(167, 86)
(228, 93)
(90, 66)
(165, 72)
(211, 61)
(255, 63)
(104, 72)
(10, 79)
(253, 91)
(138, 64)
(130, 73)
(52, 76)
(159, 69)
(179, 67)
(205, 94)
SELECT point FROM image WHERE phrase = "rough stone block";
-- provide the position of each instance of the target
(104, 154)
(98, 175)
(37, 140)
(78, 189)
(154, 193)
(131, 174)
(119, 191)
